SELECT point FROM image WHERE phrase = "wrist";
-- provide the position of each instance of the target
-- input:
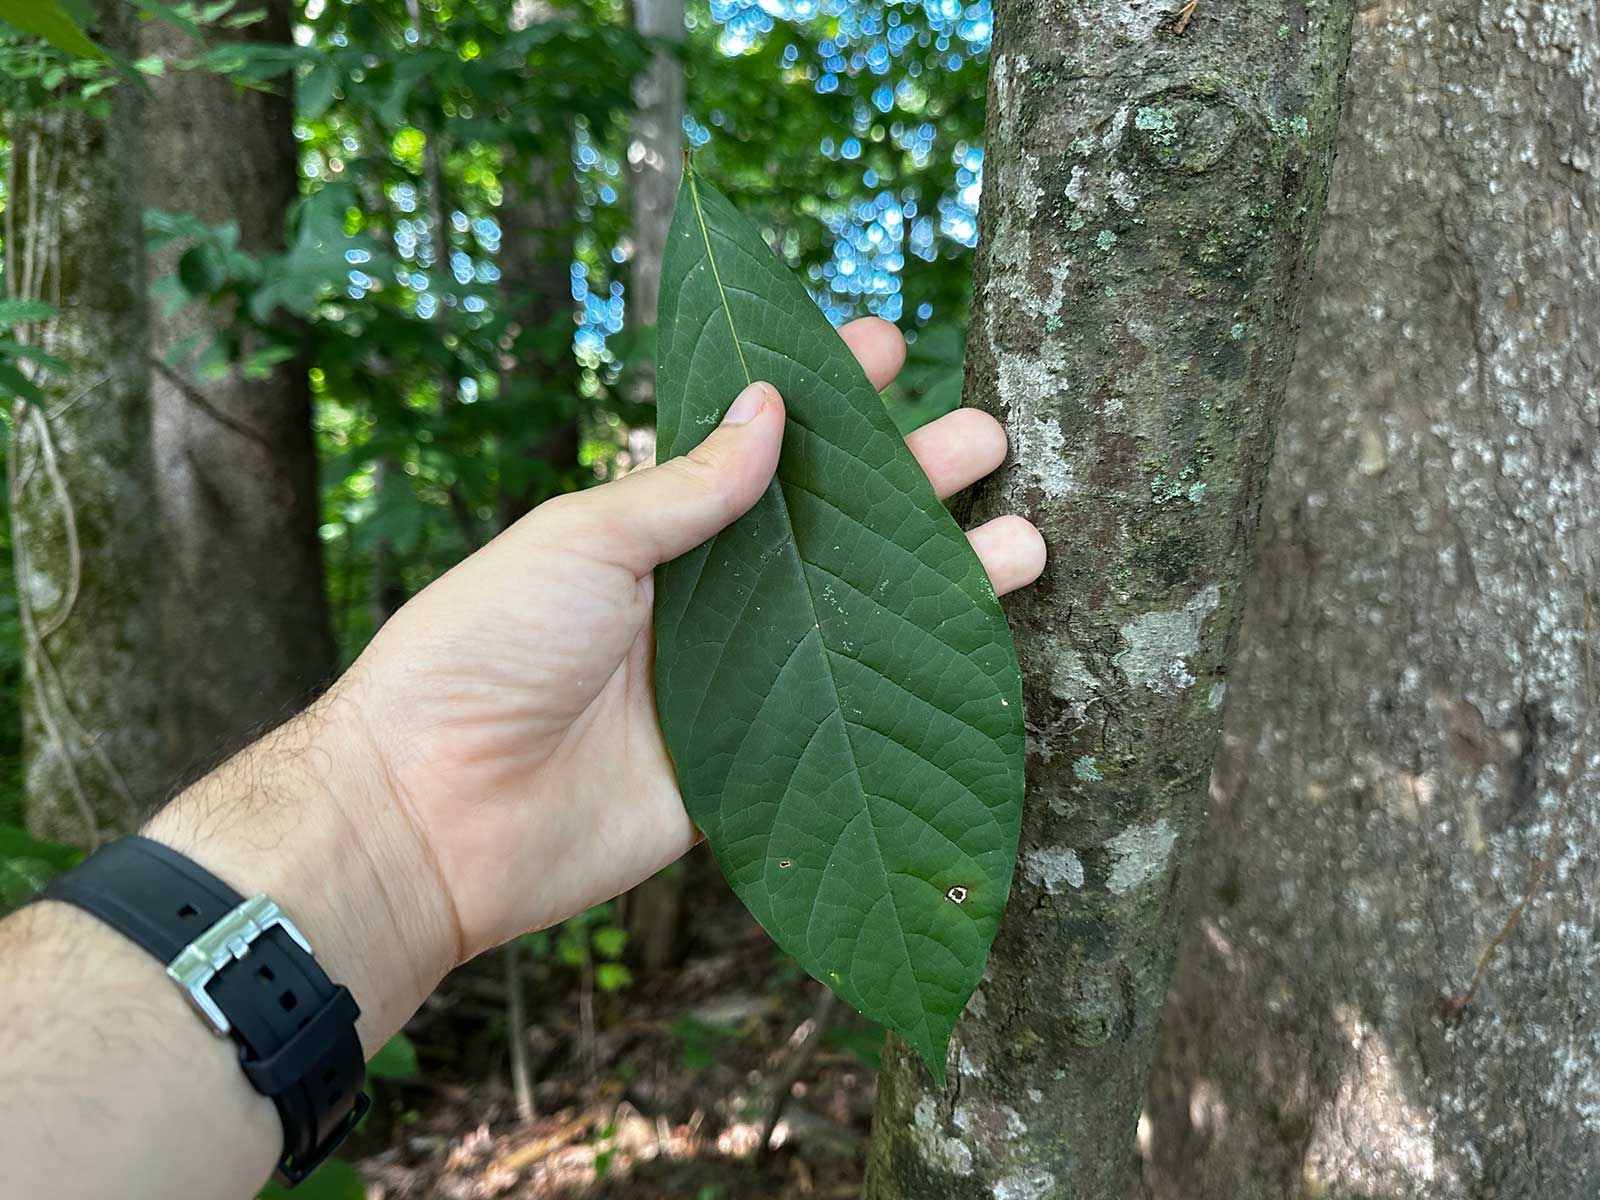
(305, 815)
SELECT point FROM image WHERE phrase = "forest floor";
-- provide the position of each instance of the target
(657, 1090)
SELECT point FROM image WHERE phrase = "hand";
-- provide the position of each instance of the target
(513, 701)
(493, 763)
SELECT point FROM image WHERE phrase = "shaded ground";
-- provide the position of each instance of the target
(664, 1097)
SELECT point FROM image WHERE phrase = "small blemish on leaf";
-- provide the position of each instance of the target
(956, 894)
(784, 864)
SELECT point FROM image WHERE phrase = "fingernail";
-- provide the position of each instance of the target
(749, 403)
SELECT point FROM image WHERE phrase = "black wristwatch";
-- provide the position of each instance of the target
(250, 975)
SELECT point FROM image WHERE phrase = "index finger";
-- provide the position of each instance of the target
(878, 347)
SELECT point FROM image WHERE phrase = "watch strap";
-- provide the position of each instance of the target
(249, 973)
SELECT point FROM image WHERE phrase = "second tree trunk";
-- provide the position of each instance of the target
(247, 631)
(1149, 206)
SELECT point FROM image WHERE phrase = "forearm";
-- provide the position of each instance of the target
(109, 1084)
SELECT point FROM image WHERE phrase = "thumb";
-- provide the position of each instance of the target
(652, 516)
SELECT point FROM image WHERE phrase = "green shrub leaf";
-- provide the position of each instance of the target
(15, 311)
(395, 1059)
(834, 676)
(333, 1180)
(48, 20)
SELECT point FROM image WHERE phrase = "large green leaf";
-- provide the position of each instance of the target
(835, 678)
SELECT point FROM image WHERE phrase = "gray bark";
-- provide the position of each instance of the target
(248, 632)
(86, 546)
(1410, 787)
(1150, 203)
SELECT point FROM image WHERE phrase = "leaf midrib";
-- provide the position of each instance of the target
(805, 582)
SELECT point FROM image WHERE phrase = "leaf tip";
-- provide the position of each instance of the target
(934, 1050)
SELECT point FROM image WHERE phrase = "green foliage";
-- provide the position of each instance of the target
(333, 1180)
(52, 62)
(437, 400)
(437, 396)
(47, 19)
(15, 316)
(605, 1149)
(396, 1059)
(835, 679)
(589, 941)
(26, 865)
(775, 139)
(700, 1040)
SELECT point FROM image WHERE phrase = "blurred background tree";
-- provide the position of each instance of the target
(245, 627)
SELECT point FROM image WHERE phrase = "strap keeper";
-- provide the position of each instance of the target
(291, 1170)
(295, 1058)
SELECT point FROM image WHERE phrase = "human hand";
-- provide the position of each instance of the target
(493, 762)
(512, 700)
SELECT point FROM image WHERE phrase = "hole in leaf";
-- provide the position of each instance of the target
(784, 864)
(956, 894)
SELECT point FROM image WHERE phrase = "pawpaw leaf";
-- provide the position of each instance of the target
(835, 679)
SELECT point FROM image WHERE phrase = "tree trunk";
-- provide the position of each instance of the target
(1390, 986)
(81, 477)
(248, 634)
(1150, 203)
(539, 374)
(655, 161)
(654, 909)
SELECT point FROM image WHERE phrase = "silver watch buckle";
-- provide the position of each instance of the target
(227, 941)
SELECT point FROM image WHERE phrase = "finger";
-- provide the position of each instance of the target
(651, 516)
(1011, 550)
(878, 347)
(958, 449)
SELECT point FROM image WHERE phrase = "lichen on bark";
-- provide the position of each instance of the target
(1149, 206)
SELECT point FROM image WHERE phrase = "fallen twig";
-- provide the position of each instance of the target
(798, 1063)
